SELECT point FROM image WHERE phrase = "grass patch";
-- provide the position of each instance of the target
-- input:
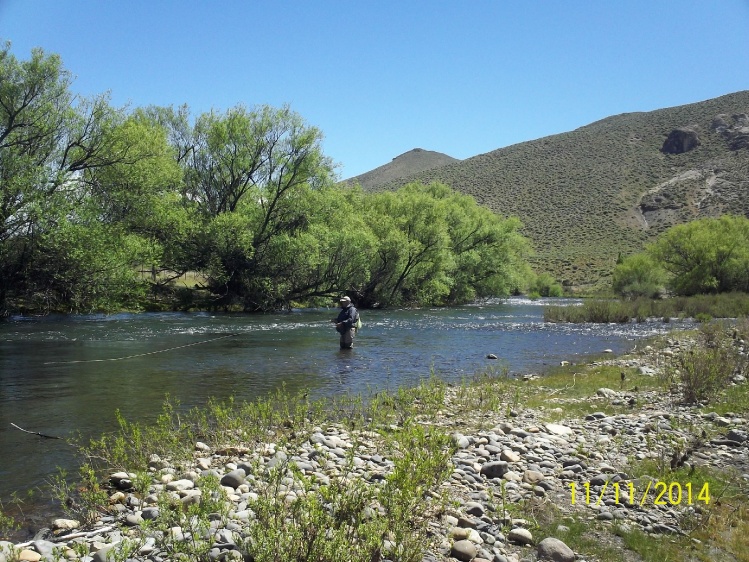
(705, 307)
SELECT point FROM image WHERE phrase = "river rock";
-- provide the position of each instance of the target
(554, 550)
(494, 469)
(509, 456)
(558, 429)
(464, 550)
(737, 435)
(65, 524)
(474, 508)
(461, 441)
(45, 548)
(27, 555)
(532, 476)
(518, 535)
(7, 550)
(234, 479)
(180, 485)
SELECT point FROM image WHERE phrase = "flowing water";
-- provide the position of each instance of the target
(65, 374)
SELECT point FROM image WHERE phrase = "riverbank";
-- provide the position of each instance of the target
(484, 470)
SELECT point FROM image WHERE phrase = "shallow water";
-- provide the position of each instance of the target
(65, 374)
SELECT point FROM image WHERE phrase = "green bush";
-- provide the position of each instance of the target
(546, 286)
(638, 276)
(700, 373)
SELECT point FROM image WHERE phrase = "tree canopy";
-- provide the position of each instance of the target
(703, 256)
(103, 208)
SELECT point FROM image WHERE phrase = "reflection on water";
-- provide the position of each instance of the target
(67, 374)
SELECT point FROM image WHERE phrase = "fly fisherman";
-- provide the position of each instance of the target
(345, 322)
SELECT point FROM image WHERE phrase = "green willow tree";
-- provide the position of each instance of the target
(705, 256)
(638, 275)
(50, 143)
(100, 208)
(436, 246)
(250, 175)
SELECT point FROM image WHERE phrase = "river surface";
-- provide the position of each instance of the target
(65, 374)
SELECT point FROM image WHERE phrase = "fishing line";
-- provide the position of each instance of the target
(139, 354)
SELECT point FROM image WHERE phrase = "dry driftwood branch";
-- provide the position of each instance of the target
(36, 433)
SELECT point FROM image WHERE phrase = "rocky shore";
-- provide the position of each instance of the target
(515, 472)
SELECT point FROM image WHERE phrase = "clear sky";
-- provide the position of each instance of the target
(382, 77)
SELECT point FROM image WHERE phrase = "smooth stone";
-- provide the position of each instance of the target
(475, 537)
(532, 476)
(461, 441)
(509, 456)
(494, 469)
(234, 479)
(459, 533)
(558, 429)
(518, 535)
(102, 555)
(179, 485)
(65, 524)
(737, 435)
(474, 508)
(45, 548)
(554, 550)
(150, 513)
(464, 550)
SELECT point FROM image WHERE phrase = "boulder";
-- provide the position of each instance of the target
(681, 140)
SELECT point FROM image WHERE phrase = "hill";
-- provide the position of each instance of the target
(609, 187)
(403, 166)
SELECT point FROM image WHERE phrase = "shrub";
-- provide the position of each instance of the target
(638, 276)
(546, 286)
(702, 372)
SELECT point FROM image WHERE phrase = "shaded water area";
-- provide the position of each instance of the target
(65, 374)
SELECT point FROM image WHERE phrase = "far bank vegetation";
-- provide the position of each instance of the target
(104, 208)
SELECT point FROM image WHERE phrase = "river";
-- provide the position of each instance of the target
(65, 374)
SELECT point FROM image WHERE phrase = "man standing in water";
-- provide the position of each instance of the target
(345, 323)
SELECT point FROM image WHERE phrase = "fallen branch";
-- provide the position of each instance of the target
(36, 433)
(63, 538)
(566, 387)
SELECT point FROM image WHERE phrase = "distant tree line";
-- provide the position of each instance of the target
(706, 256)
(104, 208)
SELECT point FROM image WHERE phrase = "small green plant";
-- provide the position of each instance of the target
(700, 373)
(83, 501)
(703, 317)
(10, 553)
(8, 523)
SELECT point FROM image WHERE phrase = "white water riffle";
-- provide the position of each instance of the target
(63, 374)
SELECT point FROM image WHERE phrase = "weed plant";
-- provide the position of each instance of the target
(700, 373)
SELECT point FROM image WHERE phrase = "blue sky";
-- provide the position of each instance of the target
(380, 78)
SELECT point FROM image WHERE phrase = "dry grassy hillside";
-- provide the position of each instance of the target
(407, 164)
(587, 195)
